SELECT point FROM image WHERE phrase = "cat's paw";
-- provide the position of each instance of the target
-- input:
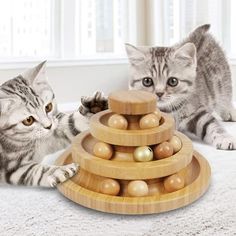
(229, 115)
(233, 115)
(62, 173)
(225, 142)
(94, 104)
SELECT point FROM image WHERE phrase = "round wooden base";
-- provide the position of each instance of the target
(197, 179)
(82, 153)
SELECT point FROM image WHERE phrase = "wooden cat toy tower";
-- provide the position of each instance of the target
(132, 161)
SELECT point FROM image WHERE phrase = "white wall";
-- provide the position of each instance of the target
(69, 83)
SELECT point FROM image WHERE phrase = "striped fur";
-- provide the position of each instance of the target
(23, 147)
(203, 84)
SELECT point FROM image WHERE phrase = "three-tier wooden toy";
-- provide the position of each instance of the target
(132, 161)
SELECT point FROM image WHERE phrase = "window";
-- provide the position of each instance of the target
(77, 30)
(102, 26)
(26, 29)
(62, 29)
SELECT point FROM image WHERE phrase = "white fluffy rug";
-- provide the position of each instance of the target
(32, 211)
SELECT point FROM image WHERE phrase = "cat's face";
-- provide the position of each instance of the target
(27, 106)
(168, 72)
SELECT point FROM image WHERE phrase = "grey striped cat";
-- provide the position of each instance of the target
(192, 80)
(31, 127)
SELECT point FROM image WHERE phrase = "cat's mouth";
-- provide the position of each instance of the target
(160, 99)
(45, 133)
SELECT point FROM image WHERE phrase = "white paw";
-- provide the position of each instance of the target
(224, 142)
(229, 115)
(233, 115)
(62, 173)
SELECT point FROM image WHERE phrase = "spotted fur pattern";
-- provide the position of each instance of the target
(23, 147)
(192, 80)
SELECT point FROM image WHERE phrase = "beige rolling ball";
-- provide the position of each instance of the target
(158, 114)
(176, 143)
(122, 156)
(110, 187)
(138, 188)
(154, 189)
(163, 150)
(143, 153)
(149, 121)
(173, 183)
(103, 150)
(117, 122)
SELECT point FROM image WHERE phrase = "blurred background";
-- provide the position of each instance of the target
(83, 40)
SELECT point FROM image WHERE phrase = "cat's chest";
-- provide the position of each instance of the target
(47, 146)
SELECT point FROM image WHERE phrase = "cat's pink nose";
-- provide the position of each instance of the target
(49, 127)
(159, 94)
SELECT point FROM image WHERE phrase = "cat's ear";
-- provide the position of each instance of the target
(37, 74)
(6, 103)
(202, 29)
(186, 54)
(134, 54)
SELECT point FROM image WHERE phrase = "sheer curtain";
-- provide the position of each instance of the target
(174, 19)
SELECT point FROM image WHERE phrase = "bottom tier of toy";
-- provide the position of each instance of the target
(196, 175)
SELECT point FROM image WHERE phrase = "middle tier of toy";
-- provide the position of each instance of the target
(82, 153)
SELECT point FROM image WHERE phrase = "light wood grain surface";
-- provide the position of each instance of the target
(185, 174)
(197, 176)
(138, 137)
(132, 102)
(82, 154)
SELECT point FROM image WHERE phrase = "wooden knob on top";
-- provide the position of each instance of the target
(132, 102)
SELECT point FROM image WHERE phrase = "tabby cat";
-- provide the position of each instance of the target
(31, 127)
(191, 80)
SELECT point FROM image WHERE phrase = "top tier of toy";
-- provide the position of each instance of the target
(132, 120)
(132, 102)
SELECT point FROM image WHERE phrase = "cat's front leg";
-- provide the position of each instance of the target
(36, 174)
(69, 125)
(204, 125)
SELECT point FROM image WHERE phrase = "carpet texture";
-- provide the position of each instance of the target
(32, 211)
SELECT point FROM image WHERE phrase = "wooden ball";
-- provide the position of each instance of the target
(103, 150)
(158, 114)
(154, 189)
(149, 121)
(143, 153)
(117, 122)
(163, 150)
(176, 143)
(173, 183)
(138, 188)
(122, 156)
(110, 187)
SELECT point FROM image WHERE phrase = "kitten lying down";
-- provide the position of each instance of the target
(31, 127)
(192, 80)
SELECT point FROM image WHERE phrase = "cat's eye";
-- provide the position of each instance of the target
(172, 81)
(28, 121)
(147, 82)
(48, 108)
